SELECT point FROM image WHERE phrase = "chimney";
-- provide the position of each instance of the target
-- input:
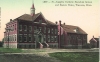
(56, 22)
(10, 20)
(93, 36)
(60, 22)
(64, 23)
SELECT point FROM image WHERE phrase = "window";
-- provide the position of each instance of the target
(48, 30)
(40, 28)
(34, 38)
(52, 39)
(20, 27)
(15, 37)
(35, 28)
(56, 31)
(30, 28)
(25, 38)
(25, 28)
(30, 37)
(40, 21)
(48, 38)
(20, 38)
(44, 29)
(11, 38)
(52, 30)
(7, 38)
(55, 39)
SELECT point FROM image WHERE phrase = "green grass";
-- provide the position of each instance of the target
(76, 56)
(10, 50)
(33, 51)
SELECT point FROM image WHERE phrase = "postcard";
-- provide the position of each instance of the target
(49, 25)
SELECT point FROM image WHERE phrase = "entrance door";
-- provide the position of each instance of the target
(40, 38)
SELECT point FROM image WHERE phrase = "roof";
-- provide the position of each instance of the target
(94, 39)
(28, 17)
(51, 23)
(73, 29)
(97, 39)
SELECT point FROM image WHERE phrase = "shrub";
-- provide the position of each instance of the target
(1, 44)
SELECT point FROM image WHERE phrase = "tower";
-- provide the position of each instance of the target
(32, 10)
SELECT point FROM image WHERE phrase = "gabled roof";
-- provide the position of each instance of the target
(28, 17)
(72, 29)
(94, 40)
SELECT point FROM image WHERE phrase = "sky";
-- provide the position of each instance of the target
(86, 17)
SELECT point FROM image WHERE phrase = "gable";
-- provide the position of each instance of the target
(40, 19)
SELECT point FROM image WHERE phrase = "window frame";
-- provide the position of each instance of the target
(30, 28)
(25, 27)
(48, 30)
(20, 27)
(25, 35)
(30, 38)
(20, 35)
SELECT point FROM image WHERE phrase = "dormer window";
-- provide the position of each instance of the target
(76, 30)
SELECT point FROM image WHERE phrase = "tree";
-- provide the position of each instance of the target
(2, 42)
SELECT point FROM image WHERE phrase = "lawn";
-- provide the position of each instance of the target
(76, 56)
(10, 50)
